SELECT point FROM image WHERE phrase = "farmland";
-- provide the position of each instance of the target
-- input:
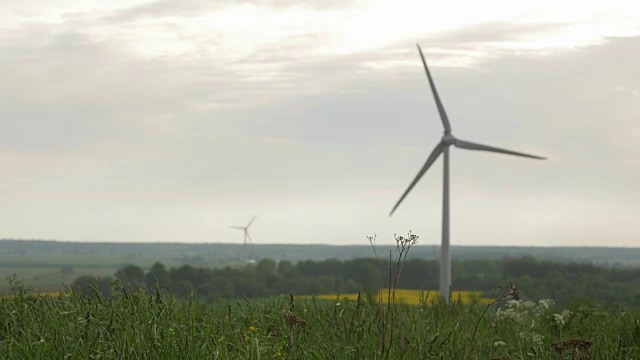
(405, 296)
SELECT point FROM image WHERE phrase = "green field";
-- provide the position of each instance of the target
(136, 325)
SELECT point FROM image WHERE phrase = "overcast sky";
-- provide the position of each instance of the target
(170, 120)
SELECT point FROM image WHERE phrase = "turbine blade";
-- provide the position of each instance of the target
(473, 146)
(248, 236)
(443, 114)
(237, 227)
(432, 157)
(250, 222)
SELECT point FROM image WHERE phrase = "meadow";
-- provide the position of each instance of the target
(154, 325)
(169, 320)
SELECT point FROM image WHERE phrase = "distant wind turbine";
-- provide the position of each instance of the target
(245, 229)
(443, 147)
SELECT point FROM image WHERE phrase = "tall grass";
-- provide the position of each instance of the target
(156, 326)
(143, 324)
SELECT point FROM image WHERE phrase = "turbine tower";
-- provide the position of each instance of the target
(443, 148)
(245, 229)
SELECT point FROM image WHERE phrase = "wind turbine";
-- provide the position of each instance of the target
(245, 229)
(443, 148)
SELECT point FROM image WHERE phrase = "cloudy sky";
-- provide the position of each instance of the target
(169, 120)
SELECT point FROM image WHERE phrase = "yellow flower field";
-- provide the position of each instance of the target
(52, 293)
(410, 297)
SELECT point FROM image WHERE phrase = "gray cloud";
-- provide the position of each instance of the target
(190, 8)
(500, 31)
(140, 147)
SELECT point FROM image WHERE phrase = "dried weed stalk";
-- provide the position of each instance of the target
(387, 316)
(511, 293)
(577, 348)
(296, 325)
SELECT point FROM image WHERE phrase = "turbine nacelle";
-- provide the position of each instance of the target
(448, 139)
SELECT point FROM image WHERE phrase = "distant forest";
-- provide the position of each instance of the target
(222, 254)
(566, 283)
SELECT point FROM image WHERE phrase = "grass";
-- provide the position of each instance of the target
(158, 326)
(145, 324)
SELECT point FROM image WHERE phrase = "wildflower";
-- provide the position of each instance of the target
(278, 354)
(543, 306)
(526, 305)
(546, 303)
(509, 315)
(559, 320)
(535, 339)
(251, 328)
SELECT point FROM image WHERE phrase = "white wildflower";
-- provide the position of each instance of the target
(559, 320)
(526, 305)
(511, 304)
(543, 306)
(546, 303)
(509, 315)
(535, 339)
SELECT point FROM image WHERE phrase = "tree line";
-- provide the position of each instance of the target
(566, 283)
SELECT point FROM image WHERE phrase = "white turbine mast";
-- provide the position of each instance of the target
(443, 148)
(245, 229)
